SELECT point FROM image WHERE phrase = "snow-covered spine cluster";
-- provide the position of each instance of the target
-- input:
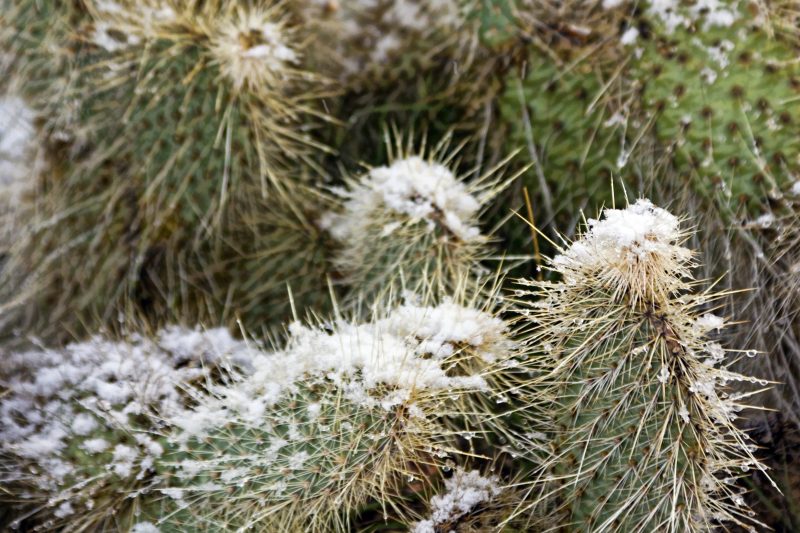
(464, 492)
(642, 434)
(345, 414)
(411, 223)
(254, 47)
(675, 14)
(81, 429)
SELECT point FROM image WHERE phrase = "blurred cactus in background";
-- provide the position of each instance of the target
(82, 428)
(179, 117)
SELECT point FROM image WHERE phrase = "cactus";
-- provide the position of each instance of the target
(185, 133)
(719, 110)
(576, 143)
(723, 107)
(562, 105)
(412, 225)
(703, 100)
(643, 433)
(368, 44)
(470, 502)
(33, 37)
(341, 417)
(81, 431)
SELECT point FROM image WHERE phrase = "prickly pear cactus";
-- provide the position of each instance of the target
(720, 92)
(643, 433)
(565, 119)
(719, 109)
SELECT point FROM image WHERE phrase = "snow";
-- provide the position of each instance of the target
(463, 492)
(624, 237)
(630, 36)
(253, 49)
(84, 424)
(371, 33)
(18, 147)
(442, 328)
(765, 221)
(272, 51)
(414, 188)
(95, 445)
(91, 393)
(124, 458)
(144, 527)
(375, 364)
(709, 322)
(64, 510)
(674, 14)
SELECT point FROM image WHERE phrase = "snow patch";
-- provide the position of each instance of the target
(624, 237)
(463, 492)
(414, 188)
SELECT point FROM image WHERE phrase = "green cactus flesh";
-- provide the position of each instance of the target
(309, 463)
(723, 110)
(619, 446)
(727, 108)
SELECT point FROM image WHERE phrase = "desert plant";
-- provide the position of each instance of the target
(345, 415)
(642, 433)
(82, 427)
(192, 121)
(369, 44)
(470, 502)
(413, 225)
(713, 118)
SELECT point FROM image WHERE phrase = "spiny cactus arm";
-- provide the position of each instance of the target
(368, 407)
(414, 224)
(643, 432)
